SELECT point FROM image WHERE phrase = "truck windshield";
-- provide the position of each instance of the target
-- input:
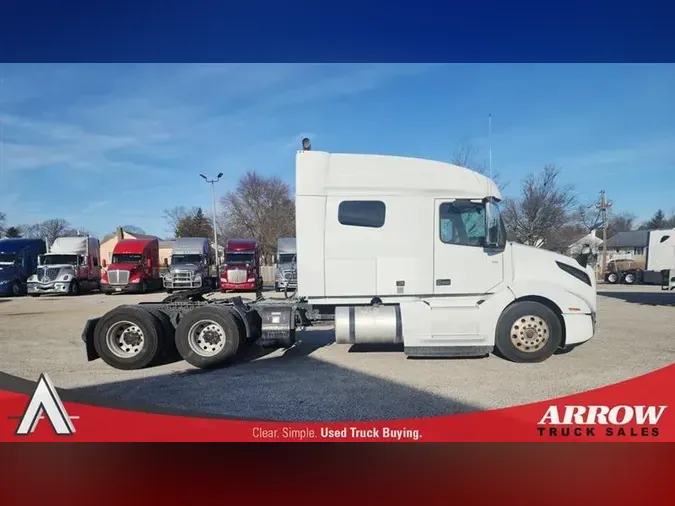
(126, 258)
(185, 259)
(8, 258)
(286, 258)
(58, 259)
(234, 257)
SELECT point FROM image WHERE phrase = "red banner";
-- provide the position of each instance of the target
(634, 410)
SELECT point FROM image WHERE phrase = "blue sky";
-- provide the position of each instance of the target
(105, 145)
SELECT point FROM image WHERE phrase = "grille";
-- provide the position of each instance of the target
(236, 276)
(183, 279)
(290, 275)
(118, 277)
(47, 273)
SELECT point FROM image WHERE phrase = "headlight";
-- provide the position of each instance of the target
(198, 277)
(65, 277)
(32, 278)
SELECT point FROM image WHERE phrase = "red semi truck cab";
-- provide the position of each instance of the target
(242, 266)
(134, 267)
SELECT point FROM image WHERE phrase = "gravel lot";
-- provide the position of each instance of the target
(319, 380)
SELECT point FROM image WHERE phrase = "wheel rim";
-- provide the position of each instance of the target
(125, 339)
(612, 278)
(530, 333)
(206, 338)
(629, 278)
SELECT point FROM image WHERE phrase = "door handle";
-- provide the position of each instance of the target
(443, 282)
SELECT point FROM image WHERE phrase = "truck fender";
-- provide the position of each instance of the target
(560, 297)
(88, 338)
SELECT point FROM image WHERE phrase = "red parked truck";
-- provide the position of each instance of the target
(242, 266)
(134, 267)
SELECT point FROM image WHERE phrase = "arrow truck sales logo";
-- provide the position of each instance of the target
(610, 421)
(45, 401)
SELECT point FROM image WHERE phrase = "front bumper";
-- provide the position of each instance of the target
(128, 288)
(226, 285)
(55, 287)
(579, 328)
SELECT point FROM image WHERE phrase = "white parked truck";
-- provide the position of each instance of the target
(72, 266)
(392, 250)
(286, 277)
(660, 257)
(192, 265)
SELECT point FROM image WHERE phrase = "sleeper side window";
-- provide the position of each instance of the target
(462, 222)
(362, 213)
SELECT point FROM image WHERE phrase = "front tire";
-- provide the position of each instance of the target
(208, 337)
(528, 332)
(612, 278)
(16, 289)
(129, 338)
(74, 288)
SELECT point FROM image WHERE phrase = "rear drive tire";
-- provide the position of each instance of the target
(528, 332)
(629, 278)
(208, 337)
(170, 352)
(129, 337)
(612, 278)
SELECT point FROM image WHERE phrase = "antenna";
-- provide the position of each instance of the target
(490, 143)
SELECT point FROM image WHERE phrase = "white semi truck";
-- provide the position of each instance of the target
(392, 250)
(72, 266)
(660, 257)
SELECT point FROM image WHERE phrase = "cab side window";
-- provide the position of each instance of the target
(462, 222)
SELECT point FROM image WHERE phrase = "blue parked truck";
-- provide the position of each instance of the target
(18, 261)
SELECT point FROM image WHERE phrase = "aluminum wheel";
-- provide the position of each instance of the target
(612, 278)
(530, 333)
(206, 338)
(125, 339)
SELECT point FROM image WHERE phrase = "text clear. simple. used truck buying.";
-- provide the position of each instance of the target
(454, 287)
(134, 267)
(192, 265)
(286, 276)
(72, 266)
(242, 266)
(18, 262)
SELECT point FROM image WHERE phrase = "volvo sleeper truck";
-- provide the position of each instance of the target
(456, 287)
(72, 266)
(241, 271)
(286, 277)
(192, 265)
(18, 262)
(134, 267)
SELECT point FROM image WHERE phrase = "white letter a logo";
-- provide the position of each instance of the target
(45, 399)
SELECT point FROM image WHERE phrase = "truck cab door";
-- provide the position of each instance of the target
(463, 265)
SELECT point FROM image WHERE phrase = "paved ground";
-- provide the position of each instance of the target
(320, 380)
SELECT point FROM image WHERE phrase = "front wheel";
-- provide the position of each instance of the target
(16, 289)
(528, 332)
(74, 288)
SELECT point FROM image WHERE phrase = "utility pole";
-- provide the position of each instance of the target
(604, 204)
(213, 182)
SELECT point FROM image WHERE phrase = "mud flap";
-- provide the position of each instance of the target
(88, 338)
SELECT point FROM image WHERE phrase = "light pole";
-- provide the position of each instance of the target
(213, 182)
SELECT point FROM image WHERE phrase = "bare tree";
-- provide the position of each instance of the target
(188, 222)
(259, 208)
(49, 230)
(587, 216)
(622, 222)
(467, 156)
(543, 209)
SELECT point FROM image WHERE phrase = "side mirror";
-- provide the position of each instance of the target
(584, 255)
(166, 261)
(148, 263)
(104, 264)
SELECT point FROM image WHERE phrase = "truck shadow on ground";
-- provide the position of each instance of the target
(644, 298)
(292, 386)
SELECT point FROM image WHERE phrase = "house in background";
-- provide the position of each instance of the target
(628, 246)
